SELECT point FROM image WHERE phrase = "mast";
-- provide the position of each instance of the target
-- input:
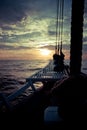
(76, 36)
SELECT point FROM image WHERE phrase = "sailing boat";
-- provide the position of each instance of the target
(54, 71)
(32, 110)
(70, 95)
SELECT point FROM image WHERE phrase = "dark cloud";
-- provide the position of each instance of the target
(85, 48)
(12, 11)
(50, 47)
(85, 10)
(9, 39)
(18, 38)
(52, 33)
(85, 25)
(7, 28)
(85, 39)
(10, 47)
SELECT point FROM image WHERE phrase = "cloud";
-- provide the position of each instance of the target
(52, 47)
(12, 11)
(12, 47)
(29, 23)
(85, 10)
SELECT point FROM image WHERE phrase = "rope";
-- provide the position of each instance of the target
(59, 25)
(57, 47)
(62, 8)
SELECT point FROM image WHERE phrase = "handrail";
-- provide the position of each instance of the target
(45, 74)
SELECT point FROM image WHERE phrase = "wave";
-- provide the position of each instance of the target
(13, 74)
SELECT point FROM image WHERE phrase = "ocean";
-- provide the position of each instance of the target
(13, 74)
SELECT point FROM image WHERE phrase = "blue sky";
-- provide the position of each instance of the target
(31, 24)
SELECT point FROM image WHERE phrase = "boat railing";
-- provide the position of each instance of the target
(44, 74)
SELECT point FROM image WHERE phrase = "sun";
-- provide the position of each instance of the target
(45, 52)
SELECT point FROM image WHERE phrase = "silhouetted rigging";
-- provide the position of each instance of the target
(58, 57)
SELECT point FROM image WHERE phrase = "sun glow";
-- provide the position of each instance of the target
(45, 52)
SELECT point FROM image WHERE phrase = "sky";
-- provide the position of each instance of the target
(28, 28)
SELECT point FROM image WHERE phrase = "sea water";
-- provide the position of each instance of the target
(13, 74)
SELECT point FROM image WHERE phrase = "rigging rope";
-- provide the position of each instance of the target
(59, 25)
(59, 56)
(62, 9)
(57, 47)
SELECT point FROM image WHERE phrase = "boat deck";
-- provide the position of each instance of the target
(45, 74)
